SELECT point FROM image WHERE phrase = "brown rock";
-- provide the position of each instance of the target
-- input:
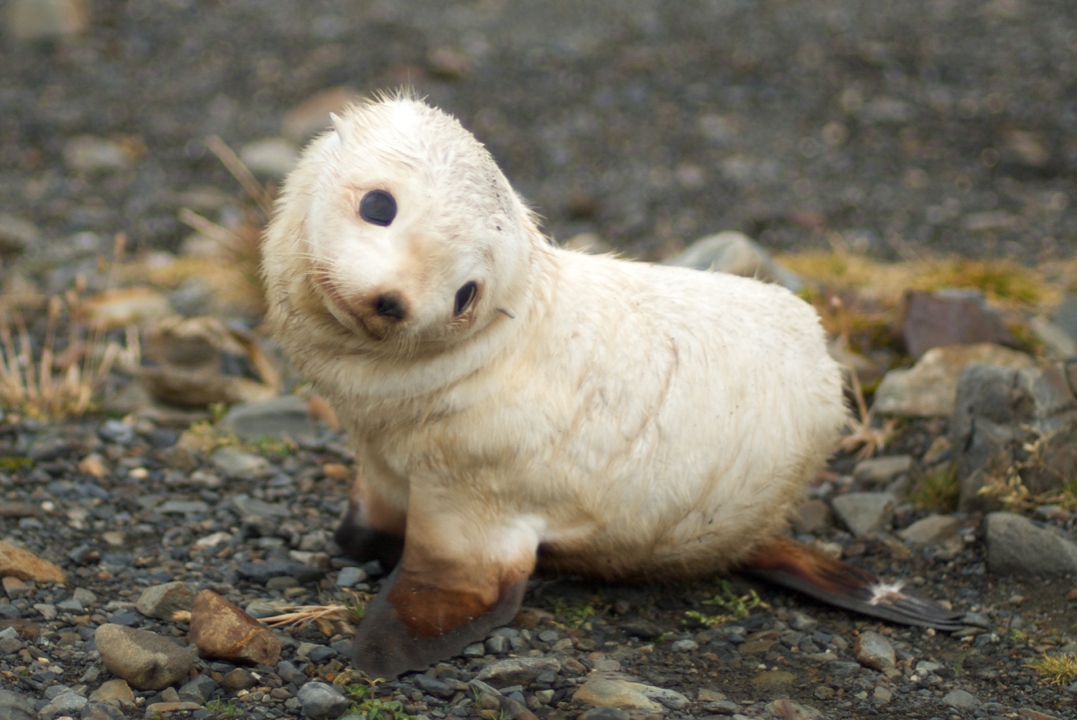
(114, 692)
(222, 630)
(948, 317)
(24, 565)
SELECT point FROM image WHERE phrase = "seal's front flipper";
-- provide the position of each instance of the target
(371, 528)
(795, 565)
(455, 583)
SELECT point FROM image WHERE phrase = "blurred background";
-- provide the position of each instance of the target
(892, 129)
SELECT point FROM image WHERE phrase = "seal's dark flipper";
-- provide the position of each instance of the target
(455, 583)
(371, 529)
(795, 565)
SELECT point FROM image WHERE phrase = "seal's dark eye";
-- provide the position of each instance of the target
(377, 207)
(464, 296)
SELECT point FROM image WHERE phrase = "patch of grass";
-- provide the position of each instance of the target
(222, 708)
(364, 703)
(1056, 669)
(572, 614)
(1019, 637)
(1000, 279)
(938, 489)
(60, 378)
(734, 607)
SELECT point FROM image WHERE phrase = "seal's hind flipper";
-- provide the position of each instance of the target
(795, 565)
(371, 528)
(456, 582)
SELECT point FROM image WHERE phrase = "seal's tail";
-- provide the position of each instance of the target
(795, 565)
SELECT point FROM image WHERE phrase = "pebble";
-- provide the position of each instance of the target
(273, 157)
(222, 630)
(874, 651)
(350, 576)
(961, 699)
(147, 661)
(320, 700)
(880, 471)
(24, 565)
(865, 513)
(93, 154)
(737, 254)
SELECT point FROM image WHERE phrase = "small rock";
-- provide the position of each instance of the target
(41, 19)
(737, 254)
(320, 700)
(812, 518)
(263, 572)
(929, 388)
(931, 530)
(1016, 546)
(350, 576)
(961, 699)
(948, 317)
(273, 157)
(89, 154)
(865, 512)
(16, 707)
(24, 565)
(16, 234)
(517, 671)
(144, 659)
(114, 692)
(283, 416)
(432, 686)
(237, 679)
(1054, 337)
(239, 464)
(790, 710)
(15, 588)
(880, 471)
(222, 630)
(619, 694)
(68, 703)
(171, 601)
(604, 713)
(874, 651)
(773, 681)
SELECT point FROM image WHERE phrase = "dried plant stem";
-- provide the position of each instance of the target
(241, 173)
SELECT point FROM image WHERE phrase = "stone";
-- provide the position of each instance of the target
(114, 692)
(961, 699)
(287, 416)
(432, 686)
(16, 234)
(737, 254)
(773, 681)
(238, 464)
(146, 660)
(931, 530)
(15, 588)
(263, 572)
(517, 671)
(1054, 337)
(68, 703)
(813, 517)
(320, 700)
(621, 694)
(170, 601)
(881, 470)
(237, 679)
(24, 565)
(350, 576)
(222, 630)
(792, 710)
(272, 157)
(874, 651)
(865, 513)
(1008, 421)
(1017, 546)
(948, 317)
(45, 19)
(93, 154)
(929, 388)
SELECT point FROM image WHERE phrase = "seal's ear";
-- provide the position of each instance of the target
(340, 127)
(456, 582)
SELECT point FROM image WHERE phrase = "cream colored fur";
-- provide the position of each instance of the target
(636, 420)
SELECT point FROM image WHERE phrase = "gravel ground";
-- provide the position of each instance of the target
(896, 129)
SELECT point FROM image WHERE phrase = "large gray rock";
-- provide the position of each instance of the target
(1010, 421)
(736, 254)
(865, 513)
(1017, 546)
(288, 415)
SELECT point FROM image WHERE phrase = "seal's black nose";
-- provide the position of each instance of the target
(389, 305)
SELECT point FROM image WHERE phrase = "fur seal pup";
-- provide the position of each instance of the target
(514, 406)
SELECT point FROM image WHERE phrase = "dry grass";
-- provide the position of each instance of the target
(1056, 669)
(43, 384)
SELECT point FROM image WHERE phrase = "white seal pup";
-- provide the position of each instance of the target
(512, 405)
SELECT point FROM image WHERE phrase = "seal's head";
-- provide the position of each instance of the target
(397, 232)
